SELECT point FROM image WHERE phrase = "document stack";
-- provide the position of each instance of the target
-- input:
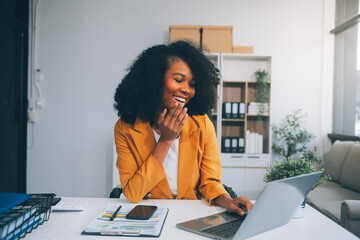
(257, 108)
(21, 213)
(254, 142)
(235, 110)
(122, 226)
(233, 145)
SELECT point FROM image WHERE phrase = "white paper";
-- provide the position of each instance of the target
(123, 226)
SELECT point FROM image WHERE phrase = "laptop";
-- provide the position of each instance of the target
(275, 207)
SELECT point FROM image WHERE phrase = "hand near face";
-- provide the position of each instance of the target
(171, 122)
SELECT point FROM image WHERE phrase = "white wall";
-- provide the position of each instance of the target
(84, 46)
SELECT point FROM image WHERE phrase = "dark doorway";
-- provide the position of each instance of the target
(14, 20)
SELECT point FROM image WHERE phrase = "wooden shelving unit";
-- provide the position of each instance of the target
(238, 84)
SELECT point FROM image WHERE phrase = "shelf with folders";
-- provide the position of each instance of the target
(232, 140)
(242, 128)
(233, 101)
(233, 120)
(240, 85)
(238, 116)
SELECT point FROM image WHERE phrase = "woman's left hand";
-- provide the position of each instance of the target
(240, 205)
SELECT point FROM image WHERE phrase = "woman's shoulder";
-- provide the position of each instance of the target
(121, 125)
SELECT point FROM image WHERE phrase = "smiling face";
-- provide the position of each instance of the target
(179, 84)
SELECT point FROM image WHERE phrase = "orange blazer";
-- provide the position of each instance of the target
(199, 167)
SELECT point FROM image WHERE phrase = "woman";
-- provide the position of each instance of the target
(166, 144)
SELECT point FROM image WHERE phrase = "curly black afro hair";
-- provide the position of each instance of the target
(139, 95)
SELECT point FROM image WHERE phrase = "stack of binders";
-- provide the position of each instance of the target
(20, 213)
(234, 110)
(232, 145)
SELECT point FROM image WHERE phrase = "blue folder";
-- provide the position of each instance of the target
(10, 200)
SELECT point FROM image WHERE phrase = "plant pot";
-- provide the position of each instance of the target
(299, 213)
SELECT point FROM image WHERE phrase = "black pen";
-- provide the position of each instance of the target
(115, 213)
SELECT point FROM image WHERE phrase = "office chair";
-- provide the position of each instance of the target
(116, 192)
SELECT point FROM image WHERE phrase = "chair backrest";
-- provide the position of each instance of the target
(115, 178)
(116, 185)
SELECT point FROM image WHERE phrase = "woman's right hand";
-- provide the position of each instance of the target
(171, 122)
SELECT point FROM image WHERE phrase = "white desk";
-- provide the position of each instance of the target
(69, 225)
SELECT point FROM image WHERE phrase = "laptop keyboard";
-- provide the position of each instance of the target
(226, 230)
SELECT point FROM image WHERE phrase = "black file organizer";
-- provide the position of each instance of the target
(22, 219)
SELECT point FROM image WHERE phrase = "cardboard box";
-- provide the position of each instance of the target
(189, 32)
(217, 39)
(243, 49)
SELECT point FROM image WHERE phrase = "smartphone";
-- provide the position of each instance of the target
(141, 212)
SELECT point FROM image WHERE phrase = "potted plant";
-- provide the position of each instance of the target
(262, 90)
(290, 141)
(290, 137)
(291, 167)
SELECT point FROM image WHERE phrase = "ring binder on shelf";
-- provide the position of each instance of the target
(241, 145)
(234, 144)
(235, 110)
(227, 110)
(242, 110)
(226, 144)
